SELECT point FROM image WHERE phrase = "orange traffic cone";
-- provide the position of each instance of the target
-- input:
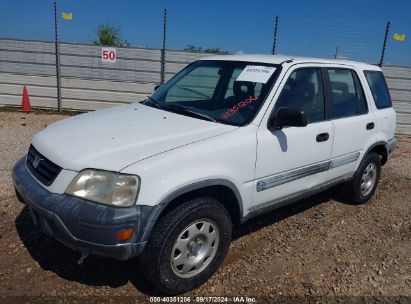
(25, 103)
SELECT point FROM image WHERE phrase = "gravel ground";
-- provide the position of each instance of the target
(318, 247)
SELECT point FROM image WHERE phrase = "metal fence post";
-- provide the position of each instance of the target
(336, 53)
(387, 29)
(163, 49)
(275, 35)
(58, 76)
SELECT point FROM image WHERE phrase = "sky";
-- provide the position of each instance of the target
(306, 28)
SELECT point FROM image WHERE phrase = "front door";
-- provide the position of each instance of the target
(294, 159)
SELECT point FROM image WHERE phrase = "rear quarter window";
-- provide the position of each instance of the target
(379, 89)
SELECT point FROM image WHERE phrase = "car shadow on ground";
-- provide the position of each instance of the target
(277, 215)
(98, 271)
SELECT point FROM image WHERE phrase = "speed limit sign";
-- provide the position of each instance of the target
(108, 55)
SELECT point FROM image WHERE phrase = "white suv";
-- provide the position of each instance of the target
(226, 139)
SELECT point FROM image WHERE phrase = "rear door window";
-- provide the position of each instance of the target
(379, 89)
(347, 94)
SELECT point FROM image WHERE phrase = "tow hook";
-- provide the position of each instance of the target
(85, 257)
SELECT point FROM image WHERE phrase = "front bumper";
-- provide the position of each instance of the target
(80, 224)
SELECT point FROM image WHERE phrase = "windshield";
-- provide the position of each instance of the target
(228, 92)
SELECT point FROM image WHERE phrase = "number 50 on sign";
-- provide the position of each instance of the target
(108, 55)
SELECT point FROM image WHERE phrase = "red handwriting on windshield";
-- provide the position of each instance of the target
(234, 109)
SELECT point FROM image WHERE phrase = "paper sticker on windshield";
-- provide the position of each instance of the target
(256, 73)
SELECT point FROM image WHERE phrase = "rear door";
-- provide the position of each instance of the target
(294, 159)
(353, 123)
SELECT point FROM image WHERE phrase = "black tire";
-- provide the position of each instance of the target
(155, 260)
(353, 188)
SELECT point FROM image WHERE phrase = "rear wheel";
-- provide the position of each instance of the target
(187, 245)
(365, 181)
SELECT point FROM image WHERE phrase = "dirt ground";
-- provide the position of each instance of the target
(319, 248)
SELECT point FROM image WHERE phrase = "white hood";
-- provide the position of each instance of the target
(112, 139)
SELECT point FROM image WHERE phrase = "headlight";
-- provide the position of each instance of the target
(105, 187)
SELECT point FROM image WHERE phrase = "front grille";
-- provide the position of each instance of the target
(43, 169)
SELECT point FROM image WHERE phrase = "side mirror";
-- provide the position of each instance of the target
(156, 87)
(287, 117)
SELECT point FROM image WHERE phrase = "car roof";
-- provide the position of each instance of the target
(280, 59)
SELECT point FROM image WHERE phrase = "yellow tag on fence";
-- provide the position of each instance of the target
(398, 37)
(67, 16)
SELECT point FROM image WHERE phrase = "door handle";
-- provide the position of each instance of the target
(322, 137)
(370, 126)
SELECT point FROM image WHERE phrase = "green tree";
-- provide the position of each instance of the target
(193, 48)
(215, 51)
(190, 48)
(109, 35)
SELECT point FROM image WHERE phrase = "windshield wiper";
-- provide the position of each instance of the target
(188, 111)
(154, 102)
(179, 108)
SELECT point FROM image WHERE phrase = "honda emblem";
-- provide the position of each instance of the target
(36, 162)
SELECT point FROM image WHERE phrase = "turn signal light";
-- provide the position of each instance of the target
(125, 234)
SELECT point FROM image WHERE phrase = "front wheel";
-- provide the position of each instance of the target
(187, 245)
(366, 179)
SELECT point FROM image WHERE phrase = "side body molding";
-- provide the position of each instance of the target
(292, 175)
